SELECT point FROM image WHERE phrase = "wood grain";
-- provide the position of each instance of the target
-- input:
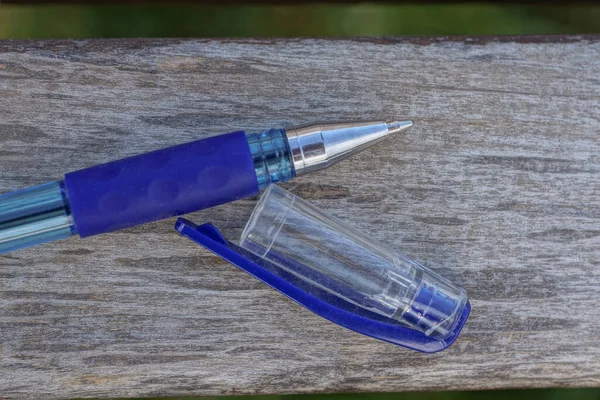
(496, 187)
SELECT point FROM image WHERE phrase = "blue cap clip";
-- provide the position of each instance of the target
(317, 300)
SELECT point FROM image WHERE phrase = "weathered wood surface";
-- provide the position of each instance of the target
(497, 187)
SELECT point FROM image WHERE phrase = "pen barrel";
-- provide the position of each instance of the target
(272, 157)
(33, 216)
(161, 184)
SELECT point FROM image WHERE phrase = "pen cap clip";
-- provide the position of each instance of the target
(324, 252)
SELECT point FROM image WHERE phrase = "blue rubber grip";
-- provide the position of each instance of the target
(161, 184)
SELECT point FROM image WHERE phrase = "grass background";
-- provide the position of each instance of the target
(542, 394)
(112, 21)
(73, 21)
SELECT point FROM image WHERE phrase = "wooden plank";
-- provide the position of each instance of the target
(496, 187)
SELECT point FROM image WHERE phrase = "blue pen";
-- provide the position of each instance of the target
(177, 180)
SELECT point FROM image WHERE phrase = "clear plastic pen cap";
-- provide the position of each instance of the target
(323, 251)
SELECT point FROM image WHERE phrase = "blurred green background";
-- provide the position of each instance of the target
(543, 394)
(77, 21)
(111, 21)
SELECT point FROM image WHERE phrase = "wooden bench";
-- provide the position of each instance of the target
(497, 187)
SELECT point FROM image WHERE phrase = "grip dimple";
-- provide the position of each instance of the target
(163, 190)
(113, 202)
(161, 184)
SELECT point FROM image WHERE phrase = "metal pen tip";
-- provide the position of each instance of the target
(397, 126)
(320, 145)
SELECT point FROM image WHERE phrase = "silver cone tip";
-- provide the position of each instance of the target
(397, 126)
(320, 145)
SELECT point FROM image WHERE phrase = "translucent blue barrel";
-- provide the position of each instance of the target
(33, 216)
(145, 188)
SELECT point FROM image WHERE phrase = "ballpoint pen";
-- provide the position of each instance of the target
(177, 180)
